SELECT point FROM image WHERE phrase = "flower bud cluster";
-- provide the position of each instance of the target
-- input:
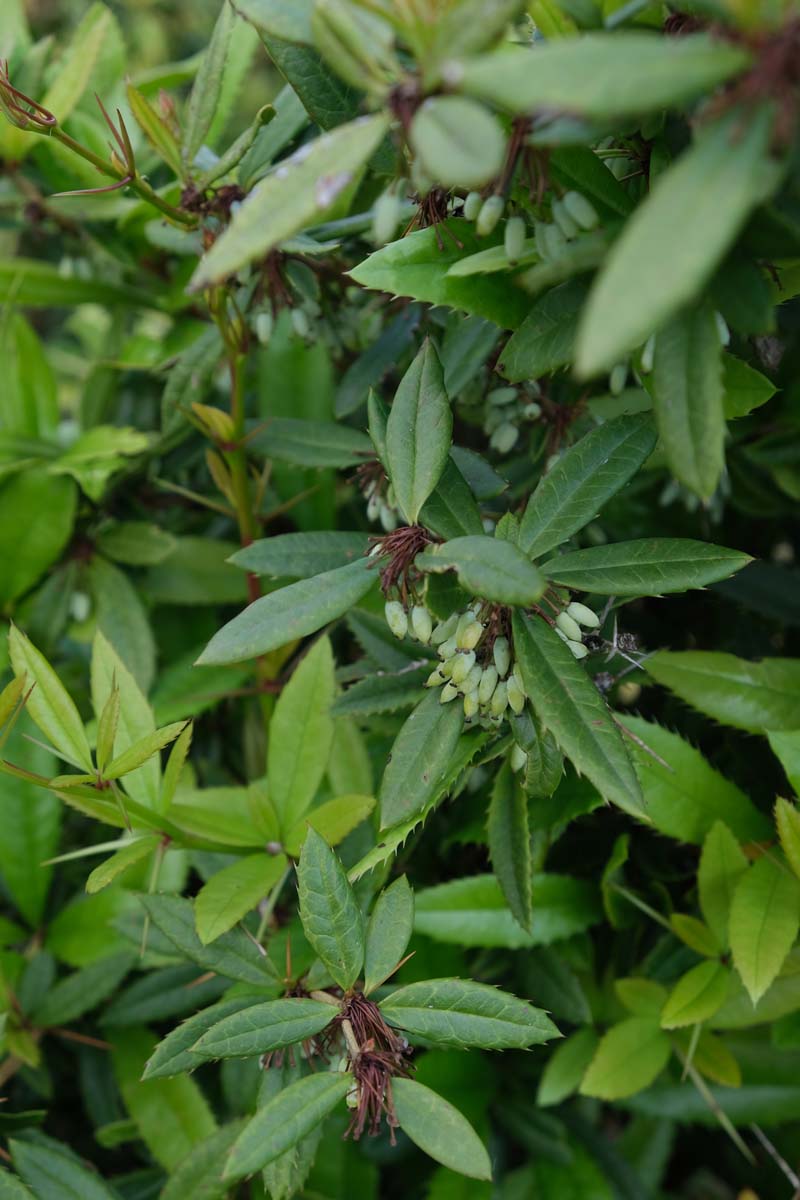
(571, 623)
(506, 409)
(572, 215)
(382, 506)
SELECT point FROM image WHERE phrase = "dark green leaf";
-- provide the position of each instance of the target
(545, 339)
(439, 1129)
(388, 931)
(417, 766)
(510, 844)
(418, 432)
(271, 1026)
(233, 955)
(301, 555)
(331, 918)
(312, 443)
(487, 567)
(646, 567)
(458, 1012)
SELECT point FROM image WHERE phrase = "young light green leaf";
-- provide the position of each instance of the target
(458, 142)
(175, 1053)
(290, 613)
(685, 797)
(487, 567)
(722, 865)
(570, 706)
(300, 736)
(205, 93)
(285, 1119)
(645, 567)
(439, 1129)
(677, 236)
(12, 1188)
(756, 696)
(687, 399)
(697, 995)
(136, 720)
(566, 1067)
(49, 703)
(629, 1057)
(302, 555)
(332, 920)
(263, 1027)
(301, 191)
(417, 766)
(143, 750)
(786, 746)
(787, 819)
(695, 934)
(120, 862)
(233, 955)
(233, 892)
(744, 389)
(510, 844)
(388, 932)
(174, 768)
(459, 1012)
(765, 917)
(418, 432)
(28, 548)
(334, 820)
(601, 75)
(641, 997)
(575, 489)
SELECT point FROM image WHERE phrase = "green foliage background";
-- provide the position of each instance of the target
(503, 295)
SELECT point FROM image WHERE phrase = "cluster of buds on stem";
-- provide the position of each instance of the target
(571, 623)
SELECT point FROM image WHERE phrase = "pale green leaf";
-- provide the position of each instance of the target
(566, 1067)
(696, 934)
(787, 819)
(28, 547)
(205, 94)
(287, 19)
(786, 746)
(233, 892)
(334, 820)
(756, 696)
(439, 1129)
(301, 555)
(765, 917)
(418, 432)
(457, 142)
(722, 865)
(697, 995)
(629, 1057)
(332, 920)
(49, 703)
(388, 932)
(136, 720)
(641, 997)
(744, 388)
(120, 862)
(233, 954)
(300, 736)
(143, 750)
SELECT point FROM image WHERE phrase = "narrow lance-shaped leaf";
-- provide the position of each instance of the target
(329, 911)
(756, 696)
(417, 766)
(388, 932)
(570, 706)
(439, 1129)
(575, 489)
(175, 1053)
(418, 432)
(765, 917)
(49, 703)
(459, 1012)
(510, 844)
(677, 236)
(207, 86)
(645, 567)
(285, 1119)
(233, 955)
(291, 612)
(265, 1027)
(146, 748)
(487, 567)
(300, 736)
(722, 865)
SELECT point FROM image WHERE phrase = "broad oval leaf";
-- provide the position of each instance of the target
(459, 1012)
(262, 1027)
(566, 1067)
(574, 490)
(29, 547)
(284, 1120)
(787, 820)
(487, 567)
(510, 844)
(389, 929)
(329, 911)
(233, 892)
(756, 696)
(765, 917)
(697, 995)
(418, 432)
(301, 555)
(439, 1129)
(334, 820)
(567, 703)
(645, 567)
(290, 613)
(417, 766)
(458, 142)
(629, 1057)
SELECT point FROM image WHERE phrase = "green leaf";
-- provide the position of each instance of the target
(388, 932)
(645, 567)
(34, 284)
(417, 766)
(687, 399)
(82, 991)
(300, 736)
(695, 934)
(473, 912)
(566, 1067)
(383, 693)
(696, 996)
(52, 1171)
(416, 266)
(233, 892)
(49, 704)
(172, 1115)
(753, 696)
(136, 720)
(301, 192)
(722, 865)
(197, 572)
(458, 1012)
(488, 567)
(233, 955)
(143, 750)
(263, 1027)
(545, 339)
(331, 918)
(120, 616)
(206, 89)
(285, 1119)
(787, 819)
(301, 555)
(120, 862)
(642, 997)
(765, 917)
(574, 490)
(334, 820)
(457, 142)
(439, 1129)
(199, 1175)
(510, 844)
(136, 543)
(30, 818)
(289, 19)
(307, 443)
(92, 39)
(155, 129)
(687, 796)
(28, 547)
(743, 388)
(175, 1054)
(290, 613)
(418, 432)
(450, 510)
(569, 705)
(629, 1057)
(12, 1188)
(677, 236)
(601, 75)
